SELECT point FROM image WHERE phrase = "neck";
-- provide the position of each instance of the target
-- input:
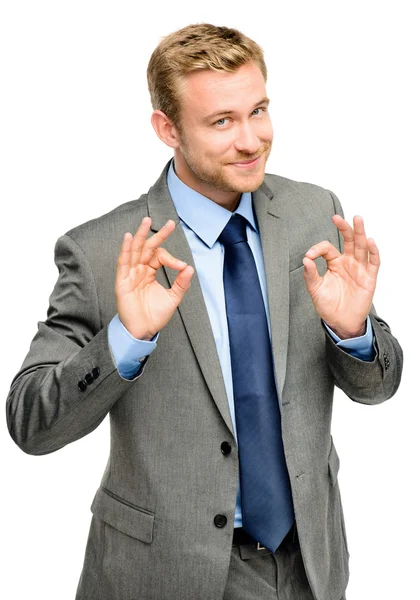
(228, 200)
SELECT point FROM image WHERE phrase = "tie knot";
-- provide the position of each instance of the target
(235, 231)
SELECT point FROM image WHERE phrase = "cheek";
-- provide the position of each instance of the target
(216, 145)
(265, 130)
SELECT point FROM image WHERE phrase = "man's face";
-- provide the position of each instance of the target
(212, 144)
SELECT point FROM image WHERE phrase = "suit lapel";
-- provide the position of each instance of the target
(275, 246)
(192, 309)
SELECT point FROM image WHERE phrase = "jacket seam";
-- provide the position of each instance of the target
(92, 277)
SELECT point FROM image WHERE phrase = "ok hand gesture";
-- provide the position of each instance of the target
(144, 306)
(343, 296)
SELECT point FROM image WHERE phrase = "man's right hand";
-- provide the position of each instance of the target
(144, 306)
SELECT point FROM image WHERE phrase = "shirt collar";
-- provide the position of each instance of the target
(206, 218)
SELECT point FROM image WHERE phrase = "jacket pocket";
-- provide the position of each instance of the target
(131, 520)
(295, 261)
(333, 464)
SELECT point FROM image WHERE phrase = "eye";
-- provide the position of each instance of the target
(221, 121)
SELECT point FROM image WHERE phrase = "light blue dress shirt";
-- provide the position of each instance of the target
(203, 221)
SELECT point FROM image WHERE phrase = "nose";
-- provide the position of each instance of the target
(247, 141)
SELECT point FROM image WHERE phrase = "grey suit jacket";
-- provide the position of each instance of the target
(152, 533)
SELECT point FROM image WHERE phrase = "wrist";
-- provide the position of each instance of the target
(137, 333)
(345, 334)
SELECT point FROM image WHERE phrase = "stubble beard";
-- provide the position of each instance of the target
(216, 176)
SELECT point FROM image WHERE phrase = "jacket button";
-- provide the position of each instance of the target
(89, 378)
(220, 521)
(82, 385)
(95, 372)
(226, 448)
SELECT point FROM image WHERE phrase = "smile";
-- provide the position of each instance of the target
(247, 164)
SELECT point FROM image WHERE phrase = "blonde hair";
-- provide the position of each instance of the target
(194, 47)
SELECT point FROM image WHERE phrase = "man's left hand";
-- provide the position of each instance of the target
(343, 296)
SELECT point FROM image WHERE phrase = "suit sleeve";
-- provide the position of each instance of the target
(366, 382)
(48, 405)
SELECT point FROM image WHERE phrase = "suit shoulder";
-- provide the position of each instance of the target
(306, 209)
(298, 199)
(113, 224)
(283, 185)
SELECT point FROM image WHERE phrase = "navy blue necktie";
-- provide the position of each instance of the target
(267, 506)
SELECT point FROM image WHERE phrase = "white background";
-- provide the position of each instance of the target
(76, 140)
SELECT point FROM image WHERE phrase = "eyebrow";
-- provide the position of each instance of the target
(265, 100)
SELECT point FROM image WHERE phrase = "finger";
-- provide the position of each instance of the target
(139, 240)
(347, 232)
(123, 263)
(181, 284)
(163, 257)
(374, 258)
(311, 275)
(360, 242)
(153, 242)
(325, 249)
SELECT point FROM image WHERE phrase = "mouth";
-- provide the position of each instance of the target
(247, 163)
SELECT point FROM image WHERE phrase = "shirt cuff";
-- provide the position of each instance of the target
(130, 354)
(360, 347)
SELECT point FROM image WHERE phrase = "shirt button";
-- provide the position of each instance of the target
(220, 521)
(226, 448)
(95, 372)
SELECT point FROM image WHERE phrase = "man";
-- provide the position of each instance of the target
(222, 476)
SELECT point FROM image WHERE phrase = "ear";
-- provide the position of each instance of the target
(165, 129)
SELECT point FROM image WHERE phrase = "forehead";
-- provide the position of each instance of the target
(206, 91)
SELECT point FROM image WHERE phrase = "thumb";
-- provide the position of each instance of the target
(311, 275)
(181, 284)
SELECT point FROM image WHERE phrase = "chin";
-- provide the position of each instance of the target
(248, 183)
